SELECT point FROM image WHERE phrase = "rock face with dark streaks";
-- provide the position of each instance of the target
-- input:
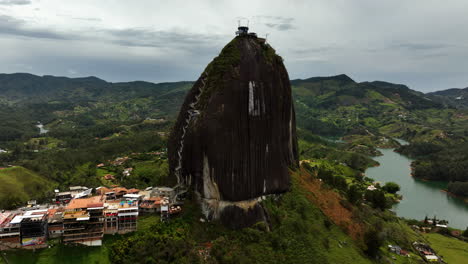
(235, 138)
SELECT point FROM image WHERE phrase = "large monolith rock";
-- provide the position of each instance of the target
(235, 137)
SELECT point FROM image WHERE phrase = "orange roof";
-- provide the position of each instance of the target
(103, 190)
(133, 190)
(109, 176)
(51, 212)
(119, 189)
(95, 201)
(4, 217)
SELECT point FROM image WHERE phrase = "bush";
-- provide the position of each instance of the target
(458, 188)
(373, 242)
(465, 233)
(354, 194)
(377, 199)
(391, 187)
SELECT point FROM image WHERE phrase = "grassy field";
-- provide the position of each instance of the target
(18, 185)
(454, 251)
(59, 254)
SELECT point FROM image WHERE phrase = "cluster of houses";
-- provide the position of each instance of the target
(82, 215)
(426, 252)
(398, 250)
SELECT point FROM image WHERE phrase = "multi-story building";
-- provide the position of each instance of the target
(9, 232)
(83, 221)
(33, 227)
(120, 216)
(128, 216)
(55, 222)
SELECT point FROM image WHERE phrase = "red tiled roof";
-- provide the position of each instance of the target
(119, 190)
(133, 190)
(103, 190)
(95, 201)
(51, 212)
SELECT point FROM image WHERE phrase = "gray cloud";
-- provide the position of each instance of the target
(159, 39)
(132, 37)
(277, 22)
(91, 19)
(15, 2)
(303, 51)
(106, 66)
(13, 26)
(421, 46)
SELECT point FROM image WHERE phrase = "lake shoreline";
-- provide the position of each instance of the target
(420, 197)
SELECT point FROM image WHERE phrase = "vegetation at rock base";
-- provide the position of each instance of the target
(298, 235)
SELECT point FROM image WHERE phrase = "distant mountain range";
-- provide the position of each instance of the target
(455, 97)
(341, 90)
(24, 87)
(19, 87)
(325, 105)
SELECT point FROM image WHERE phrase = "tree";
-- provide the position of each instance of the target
(354, 194)
(376, 199)
(373, 242)
(465, 233)
(391, 187)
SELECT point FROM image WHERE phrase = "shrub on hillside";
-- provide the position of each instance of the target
(391, 187)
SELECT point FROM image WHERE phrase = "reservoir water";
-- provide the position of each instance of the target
(420, 198)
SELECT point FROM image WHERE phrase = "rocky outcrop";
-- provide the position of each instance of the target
(235, 138)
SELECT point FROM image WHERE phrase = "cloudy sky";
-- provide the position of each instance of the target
(421, 43)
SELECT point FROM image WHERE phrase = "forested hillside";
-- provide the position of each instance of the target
(365, 114)
(455, 97)
(324, 217)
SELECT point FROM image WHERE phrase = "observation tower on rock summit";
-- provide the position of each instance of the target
(244, 30)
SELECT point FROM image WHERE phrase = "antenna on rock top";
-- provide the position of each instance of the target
(242, 29)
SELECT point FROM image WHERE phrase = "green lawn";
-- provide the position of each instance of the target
(18, 185)
(101, 172)
(60, 254)
(453, 250)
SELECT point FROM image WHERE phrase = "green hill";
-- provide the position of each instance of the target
(453, 250)
(18, 185)
(454, 97)
(337, 105)
(81, 102)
